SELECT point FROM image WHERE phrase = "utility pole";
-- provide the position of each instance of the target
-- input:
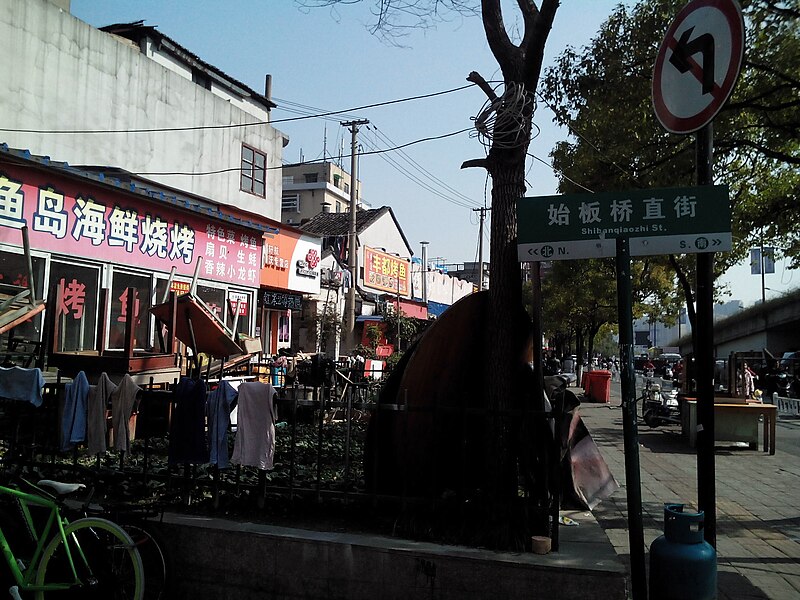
(352, 250)
(482, 210)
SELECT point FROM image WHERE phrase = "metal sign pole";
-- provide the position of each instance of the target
(704, 356)
(633, 484)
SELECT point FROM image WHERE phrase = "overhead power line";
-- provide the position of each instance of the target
(233, 125)
(368, 153)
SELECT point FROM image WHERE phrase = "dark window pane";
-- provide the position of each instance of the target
(214, 299)
(247, 154)
(119, 310)
(14, 271)
(260, 160)
(78, 321)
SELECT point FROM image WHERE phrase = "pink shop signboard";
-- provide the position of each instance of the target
(87, 221)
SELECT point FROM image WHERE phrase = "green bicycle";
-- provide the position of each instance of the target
(51, 557)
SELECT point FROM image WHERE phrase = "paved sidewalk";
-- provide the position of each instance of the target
(758, 502)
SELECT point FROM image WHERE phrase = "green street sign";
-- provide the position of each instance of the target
(656, 221)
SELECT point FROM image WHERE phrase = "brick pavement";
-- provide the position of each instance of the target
(758, 503)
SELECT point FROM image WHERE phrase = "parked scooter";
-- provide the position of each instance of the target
(660, 407)
(775, 378)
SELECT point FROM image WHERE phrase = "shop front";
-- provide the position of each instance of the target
(98, 241)
(291, 268)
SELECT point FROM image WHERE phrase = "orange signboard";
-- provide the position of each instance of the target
(386, 272)
(291, 261)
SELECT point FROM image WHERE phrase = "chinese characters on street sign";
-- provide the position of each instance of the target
(661, 221)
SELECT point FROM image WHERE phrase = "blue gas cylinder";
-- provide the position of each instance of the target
(683, 566)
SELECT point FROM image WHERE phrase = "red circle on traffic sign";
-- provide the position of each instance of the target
(688, 94)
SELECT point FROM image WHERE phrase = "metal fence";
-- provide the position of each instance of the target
(320, 457)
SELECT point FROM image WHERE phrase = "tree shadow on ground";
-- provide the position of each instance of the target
(735, 586)
(666, 440)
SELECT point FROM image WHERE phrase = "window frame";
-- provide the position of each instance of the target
(249, 172)
(294, 206)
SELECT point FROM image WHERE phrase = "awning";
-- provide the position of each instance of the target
(362, 318)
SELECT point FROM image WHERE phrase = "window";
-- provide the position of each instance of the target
(338, 206)
(288, 179)
(78, 309)
(14, 271)
(346, 188)
(119, 310)
(312, 177)
(201, 79)
(290, 203)
(254, 171)
(283, 328)
(245, 306)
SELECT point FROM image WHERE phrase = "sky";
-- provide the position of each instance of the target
(325, 59)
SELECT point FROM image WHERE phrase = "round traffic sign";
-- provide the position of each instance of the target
(698, 64)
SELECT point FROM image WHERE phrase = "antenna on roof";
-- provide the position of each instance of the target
(325, 143)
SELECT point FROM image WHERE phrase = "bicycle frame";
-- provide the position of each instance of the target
(54, 521)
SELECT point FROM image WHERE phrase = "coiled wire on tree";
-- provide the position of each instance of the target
(501, 122)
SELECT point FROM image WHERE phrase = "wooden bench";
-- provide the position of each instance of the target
(734, 423)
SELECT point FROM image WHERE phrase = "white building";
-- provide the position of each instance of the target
(312, 188)
(136, 100)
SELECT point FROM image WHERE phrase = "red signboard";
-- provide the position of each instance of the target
(89, 221)
(386, 272)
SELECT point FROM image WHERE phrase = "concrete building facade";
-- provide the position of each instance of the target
(137, 100)
(312, 188)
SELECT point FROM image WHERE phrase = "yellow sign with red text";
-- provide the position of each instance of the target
(386, 272)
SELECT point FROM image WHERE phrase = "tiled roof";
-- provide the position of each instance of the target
(136, 30)
(333, 224)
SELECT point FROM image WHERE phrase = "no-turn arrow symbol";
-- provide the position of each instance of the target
(683, 51)
(687, 94)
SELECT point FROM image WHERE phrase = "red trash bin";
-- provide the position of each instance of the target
(598, 386)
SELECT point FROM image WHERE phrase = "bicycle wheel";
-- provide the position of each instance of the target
(112, 567)
(154, 560)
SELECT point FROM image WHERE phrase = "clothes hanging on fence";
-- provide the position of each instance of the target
(73, 417)
(124, 401)
(97, 405)
(26, 385)
(255, 434)
(219, 405)
(187, 432)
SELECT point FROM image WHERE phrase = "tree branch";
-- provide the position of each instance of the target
(475, 162)
(496, 34)
(478, 80)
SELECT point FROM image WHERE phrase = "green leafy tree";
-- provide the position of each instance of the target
(602, 94)
(581, 298)
(328, 324)
(399, 327)
(374, 335)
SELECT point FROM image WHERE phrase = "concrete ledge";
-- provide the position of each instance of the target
(219, 559)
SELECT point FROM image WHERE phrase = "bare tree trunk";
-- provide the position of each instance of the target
(521, 65)
(505, 294)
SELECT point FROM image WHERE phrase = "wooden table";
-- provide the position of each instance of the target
(734, 423)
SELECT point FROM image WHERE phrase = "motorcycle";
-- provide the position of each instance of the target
(660, 407)
(775, 378)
